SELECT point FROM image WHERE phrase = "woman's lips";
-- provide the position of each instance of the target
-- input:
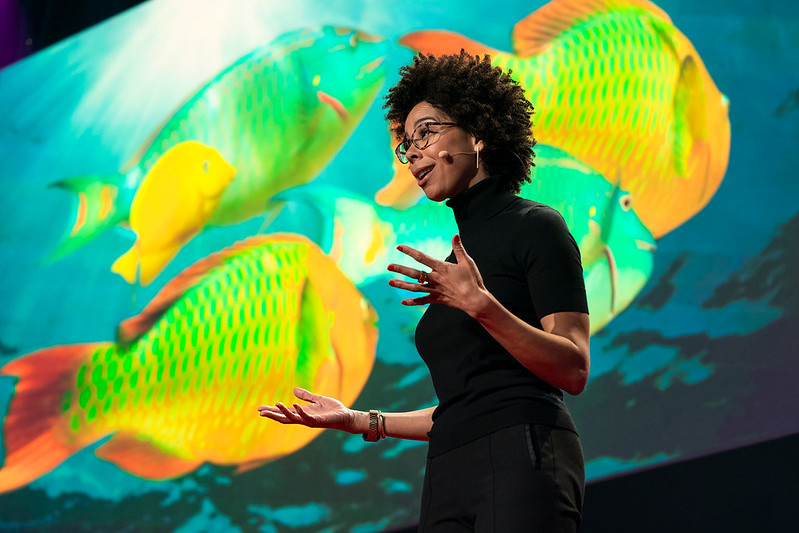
(425, 173)
(421, 183)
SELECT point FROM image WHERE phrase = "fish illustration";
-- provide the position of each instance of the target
(616, 249)
(361, 236)
(401, 191)
(173, 203)
(277, 116)
(594, 209)
(237, 329)
(619, 87)
(614, 279)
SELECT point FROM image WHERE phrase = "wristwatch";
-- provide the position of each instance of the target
(372, 435)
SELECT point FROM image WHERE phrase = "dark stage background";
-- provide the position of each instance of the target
(690, 420)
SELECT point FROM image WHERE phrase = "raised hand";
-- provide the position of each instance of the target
(458, 285)
(321, 412)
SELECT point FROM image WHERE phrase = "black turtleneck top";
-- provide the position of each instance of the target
(531, 264)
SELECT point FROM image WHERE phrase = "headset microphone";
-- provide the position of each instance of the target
(443, 154)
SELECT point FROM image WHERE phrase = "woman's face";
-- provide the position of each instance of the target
(447, 166)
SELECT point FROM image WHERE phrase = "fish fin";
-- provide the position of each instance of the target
(335, 104)
(144, 268)
(97, 208)
(36, 439)
(127, 264)
(351, 357)
(143, 458)
(533, 34)
(252, 465)
(438, 42)
(614, 277)
(152, 263)
(401, 192)
(273, 209)
(690, 129)
(131, 329)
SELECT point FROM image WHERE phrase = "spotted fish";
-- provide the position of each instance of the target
(619, 87)
(179, 388)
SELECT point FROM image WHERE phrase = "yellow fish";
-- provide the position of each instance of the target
(174, 202)
(619, 87)
(401, 192)
(237, 329)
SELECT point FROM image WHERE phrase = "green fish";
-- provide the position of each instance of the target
(361, 237)
(615, 247)
(276, 116)
(237, 329)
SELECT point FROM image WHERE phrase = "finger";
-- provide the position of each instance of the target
(458, 249)
(303, 394)
(302, 414)
(276, 417)
(408, 286)
(414, 273)
(272, 412)
(422, 300)
(418, 256)
(288, 414)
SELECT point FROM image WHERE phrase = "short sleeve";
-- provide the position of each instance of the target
(552, 264)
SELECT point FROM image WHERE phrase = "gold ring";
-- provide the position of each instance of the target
(422, 277)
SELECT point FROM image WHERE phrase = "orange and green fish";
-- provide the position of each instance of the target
(619, 87)
(277, 116)
(237, 329)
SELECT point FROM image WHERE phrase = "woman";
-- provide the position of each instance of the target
(507, 326)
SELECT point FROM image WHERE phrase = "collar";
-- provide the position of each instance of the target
(480, 202)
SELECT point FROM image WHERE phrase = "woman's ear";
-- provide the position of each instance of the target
(479, 145)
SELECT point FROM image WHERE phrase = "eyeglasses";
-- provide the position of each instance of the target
(421, 138)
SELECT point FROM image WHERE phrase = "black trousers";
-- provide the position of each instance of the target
(525, 478)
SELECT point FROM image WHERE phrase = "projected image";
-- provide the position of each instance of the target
(241, 326)
(198, 216)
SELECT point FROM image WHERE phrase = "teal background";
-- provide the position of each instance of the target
(704, 360)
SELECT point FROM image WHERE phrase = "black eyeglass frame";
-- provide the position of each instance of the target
(402, 148)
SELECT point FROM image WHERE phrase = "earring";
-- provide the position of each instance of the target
(478, 157)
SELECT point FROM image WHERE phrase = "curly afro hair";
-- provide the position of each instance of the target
(483, 100)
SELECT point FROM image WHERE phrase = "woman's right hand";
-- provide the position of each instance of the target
(321, 412)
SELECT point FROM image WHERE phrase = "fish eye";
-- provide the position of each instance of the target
(206, 166)
(626, 202)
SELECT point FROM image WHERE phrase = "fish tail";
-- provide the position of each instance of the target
(36, 440)
(134, 266)
(99, 206)
(127, 265)
(401, 192)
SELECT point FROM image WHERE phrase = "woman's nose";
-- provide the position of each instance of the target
(413, 153)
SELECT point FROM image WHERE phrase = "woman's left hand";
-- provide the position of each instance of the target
(458, 285)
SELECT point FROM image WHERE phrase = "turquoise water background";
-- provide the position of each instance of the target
(704, 360)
